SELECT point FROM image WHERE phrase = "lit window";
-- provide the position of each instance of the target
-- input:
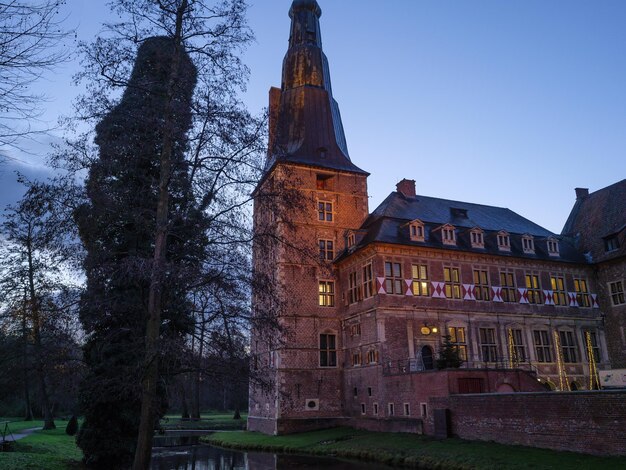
(558, 287)
(568, 346)
(553, 247)
(354, 289)
(477, 239)
(507, 283)
(372, 356)
(458, 341)
(416, 231)
(611, 243)
(533, 289)
(420, 280)
(327, 293)
(452, 281)
(542, 345)
(517, 350)
(595, 347)
(328, 350)
(325, 211)
(368, 281)
(488, 347)
(617, 292)
(582, 293)
(528, 244)
(481, 282)
(504, 241)
(393, 278)
(327, 250)
(448, 235)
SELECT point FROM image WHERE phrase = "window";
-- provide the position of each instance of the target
(528, 244)
(504, 241)
(327, 250)
(420, 280)
(582, 293)
(488, 346)
(416, 231)
(369, 391)
(424, 407)
(356, 358)
(407, 409)
(327, 293)
(448, 235)
(558, 286)
(481, 281)
(390, 408)
(542, 345)
(325, 211)
(362, 408)
(351, 240)
(372, 356)
(457, 339)
(617, 292)
(517, 350)
(593, 342)
(393, 278)
(355, 330)
(553, 247)
(368, 281)
(611, 243)
(354, 289)
(324, 182)
(507, 282)
(568, 346)
(533, 289)
(328, 350)
(375, 409)
(477, 238)
(452, 281)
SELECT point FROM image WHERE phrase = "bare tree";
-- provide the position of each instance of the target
(31, 36)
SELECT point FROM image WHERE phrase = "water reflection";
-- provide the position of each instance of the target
(205, 457)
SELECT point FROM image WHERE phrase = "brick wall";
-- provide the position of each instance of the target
(589, 422)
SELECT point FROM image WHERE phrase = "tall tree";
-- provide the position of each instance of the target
(31, 36)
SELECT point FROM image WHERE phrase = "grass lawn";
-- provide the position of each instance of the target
(213, 421)
(415, 451)
(50, 450)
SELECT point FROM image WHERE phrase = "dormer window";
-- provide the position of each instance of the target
(611, 243)
(416, 231)
(477, 238)
(448, 235)
(553, 246)
(351, 240)
(528, 244)
(504, 241)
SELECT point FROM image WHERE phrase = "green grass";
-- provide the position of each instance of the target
(50, 450)
(212, 421)
(413, 451)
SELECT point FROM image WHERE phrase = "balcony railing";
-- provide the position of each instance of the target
(412, 366)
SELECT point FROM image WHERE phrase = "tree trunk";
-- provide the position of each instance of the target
(28, 412)
(183, 400)
(197, 374)
(150, 377)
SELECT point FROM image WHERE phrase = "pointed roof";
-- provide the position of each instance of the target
(305, 123)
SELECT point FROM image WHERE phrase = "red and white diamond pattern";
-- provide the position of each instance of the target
(469, 292)
(381, 285)
(572, 299)
(523, 295)
(439, 290)
(594, 301)
(409, 285)
(496, 294)
(549, 295)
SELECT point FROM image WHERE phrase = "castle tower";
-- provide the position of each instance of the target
(310, 198)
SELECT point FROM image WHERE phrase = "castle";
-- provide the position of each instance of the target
(372, 300)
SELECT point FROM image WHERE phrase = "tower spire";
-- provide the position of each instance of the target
(305, 122)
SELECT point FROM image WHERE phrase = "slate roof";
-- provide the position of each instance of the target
(597, 216)
(388, 223)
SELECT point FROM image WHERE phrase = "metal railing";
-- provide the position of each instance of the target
(412, 366)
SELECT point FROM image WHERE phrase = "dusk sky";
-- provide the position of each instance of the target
(505, 103)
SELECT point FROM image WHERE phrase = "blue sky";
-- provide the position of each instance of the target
(507, 103)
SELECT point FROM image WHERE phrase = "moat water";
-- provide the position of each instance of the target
(205, 457)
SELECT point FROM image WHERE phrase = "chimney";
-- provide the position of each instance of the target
(406, 187)
(581, 193)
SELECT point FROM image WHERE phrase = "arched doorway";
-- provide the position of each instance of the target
(427, 358)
